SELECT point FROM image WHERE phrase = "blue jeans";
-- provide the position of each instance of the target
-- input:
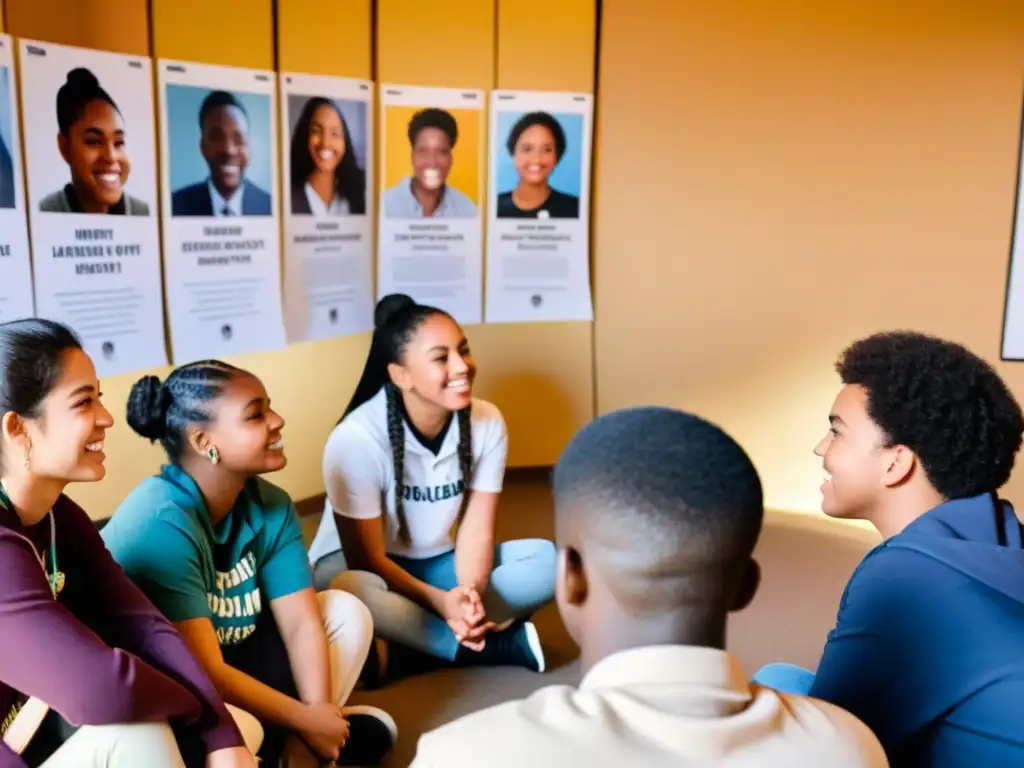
(788, 678)
(523, 580)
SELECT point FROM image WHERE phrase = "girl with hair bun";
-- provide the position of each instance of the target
(91, 138)
(220, 551)
(414, 456)
(80, 643)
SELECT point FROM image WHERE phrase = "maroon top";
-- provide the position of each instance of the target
(101, 653)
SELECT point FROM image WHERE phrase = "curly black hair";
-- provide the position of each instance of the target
(944, 403)
(432, 117)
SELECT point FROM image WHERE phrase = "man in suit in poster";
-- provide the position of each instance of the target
(224, 144)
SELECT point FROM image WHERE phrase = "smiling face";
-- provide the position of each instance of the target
(857, 463)
(94, 149)
(245, 430)
(535, 155)
(65, 441)
(432, 157)
(225, 147)
(326, 139)
(438, 365)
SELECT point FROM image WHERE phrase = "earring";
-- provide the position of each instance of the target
(214, 455)
(28, 458)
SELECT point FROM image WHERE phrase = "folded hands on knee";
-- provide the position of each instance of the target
(465, 614)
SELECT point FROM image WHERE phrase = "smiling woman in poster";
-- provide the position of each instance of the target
(326, 178)
(536, 144)
(92, 142)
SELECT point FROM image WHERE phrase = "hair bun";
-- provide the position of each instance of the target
(81, 77)
(147, 407)
(389, 306)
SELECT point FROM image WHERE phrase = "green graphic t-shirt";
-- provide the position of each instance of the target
(162, 537)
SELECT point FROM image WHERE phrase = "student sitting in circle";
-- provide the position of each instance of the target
(414, 456)
(76, 636)
(220, 551)
(656, 514)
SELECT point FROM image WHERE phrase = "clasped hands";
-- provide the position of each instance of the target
(463, 609)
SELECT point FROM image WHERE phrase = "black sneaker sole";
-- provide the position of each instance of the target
(372, 735)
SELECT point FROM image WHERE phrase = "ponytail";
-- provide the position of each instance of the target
(395, 321)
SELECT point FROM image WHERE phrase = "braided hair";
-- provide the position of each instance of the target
(395, 322)
(164, 410)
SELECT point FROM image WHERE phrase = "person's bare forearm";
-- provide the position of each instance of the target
(399, 580)
(260, 700)
(473, 564)
(309, 661)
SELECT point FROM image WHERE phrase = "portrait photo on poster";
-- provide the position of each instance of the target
(432, 162)
(327, 153)
(91, 144)
(539, 164)
(16, 295)
(8, 179)
(220, 151)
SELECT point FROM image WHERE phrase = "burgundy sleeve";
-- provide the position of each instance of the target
(131, 622)
(9, 758)
(50, 654)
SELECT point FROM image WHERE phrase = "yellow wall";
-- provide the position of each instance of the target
(540, 375)
(111, 25)
(778, 177)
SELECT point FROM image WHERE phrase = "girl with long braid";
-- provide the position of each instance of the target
(220, 552)
(415, 457)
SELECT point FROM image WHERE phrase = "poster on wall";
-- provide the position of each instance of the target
(15, 267)
(328, 205)
(538, 244)
(1013, 312)
(430, 244)
(218, 153)
(90, 161)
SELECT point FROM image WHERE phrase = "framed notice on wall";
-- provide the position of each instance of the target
(430, 244)
(327, 130)
(90, 160)
(15, 268)
(218, 127)
(1013, 313)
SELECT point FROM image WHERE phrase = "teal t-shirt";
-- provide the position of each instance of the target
(162, 537)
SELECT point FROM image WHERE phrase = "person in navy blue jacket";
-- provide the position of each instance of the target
(927, 648)
(224, 143)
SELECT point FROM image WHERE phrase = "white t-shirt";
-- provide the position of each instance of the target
(360, 479)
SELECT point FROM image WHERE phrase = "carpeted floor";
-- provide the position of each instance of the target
(805, 561)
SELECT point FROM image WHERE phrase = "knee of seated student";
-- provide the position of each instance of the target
(326, 569)
(342, 609)
(149, 743)
(358, 583)
(541, 553)
(252, 730)
(546, 555)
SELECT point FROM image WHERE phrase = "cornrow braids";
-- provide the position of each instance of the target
(396, 436)
(191, 388)
(164, 411)
(465, 458)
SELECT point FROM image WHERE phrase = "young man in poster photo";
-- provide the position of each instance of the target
(225, 146)
(432, 134)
